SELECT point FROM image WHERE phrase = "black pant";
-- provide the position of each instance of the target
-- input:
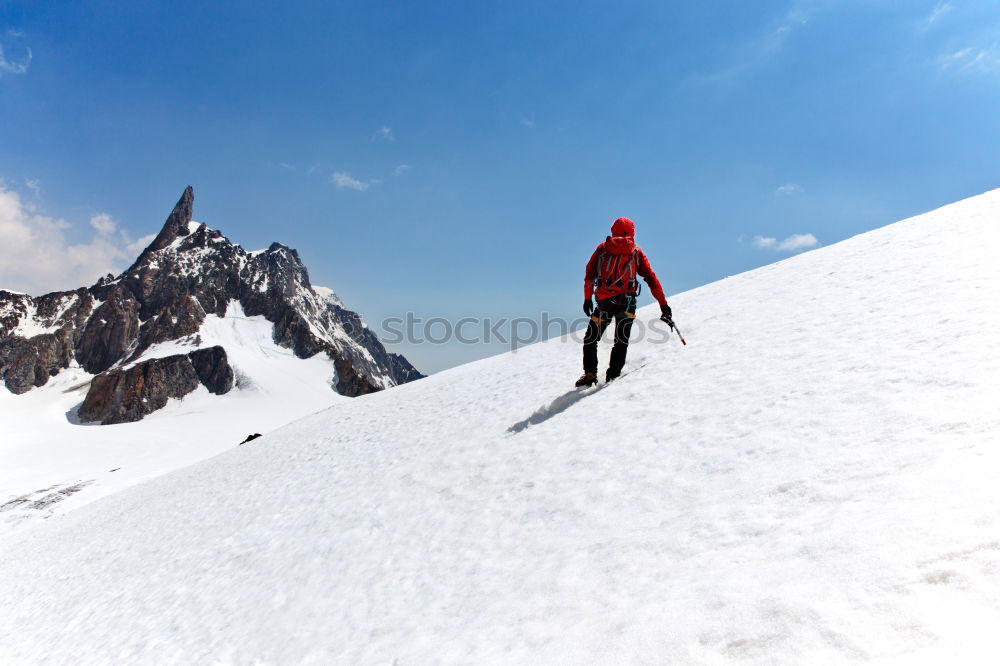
(622, 309)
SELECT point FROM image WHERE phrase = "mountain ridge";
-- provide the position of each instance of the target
(185, 274)
(812, 479)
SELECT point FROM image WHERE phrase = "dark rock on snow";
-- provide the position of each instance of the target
(176, 225)
(212, 368)
(29, 355)
(128, 394)
(110, 331)
(187, 273)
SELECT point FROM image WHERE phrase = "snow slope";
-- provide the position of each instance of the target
(49, 463)
(815, 478)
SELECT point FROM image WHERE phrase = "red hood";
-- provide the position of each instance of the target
(619, 245)
(623, 227)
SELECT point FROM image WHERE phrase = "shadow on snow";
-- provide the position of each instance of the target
(557, 406)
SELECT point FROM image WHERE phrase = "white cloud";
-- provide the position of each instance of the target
(788, 190)
(960, 58)
(34, 185)
(792, 20)
(939, 10)
(12, 67)
(103, 223)
(763, 48)
(528, 121)
(401, 169)
(970, 59)
(793, 243)
(385, 133)
(797, 242)
(135, 247)
(345, 181)
(37, 257)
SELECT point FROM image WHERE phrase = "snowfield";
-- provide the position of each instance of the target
(814, 479)
(50, 463)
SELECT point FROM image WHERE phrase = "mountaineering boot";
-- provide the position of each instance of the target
(587, 379)
(609, 376)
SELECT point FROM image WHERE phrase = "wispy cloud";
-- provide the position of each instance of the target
(37, 257)
(528, 120)
(788, 190)
(138, 245)
(763, 48)
(971, 59)
(14, 66)
(794, 243)
(797, 242)
(936, 14)
(401, 169)
(345, 181)
(34, 185)
(786, 26)
(103, 224)
(385, 134)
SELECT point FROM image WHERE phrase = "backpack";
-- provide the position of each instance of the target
(614, 272)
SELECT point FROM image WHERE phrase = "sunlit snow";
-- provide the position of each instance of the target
(43, 452)
(814, 478)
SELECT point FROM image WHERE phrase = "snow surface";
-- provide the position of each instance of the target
(44, 451)
(328, 295)
(29, 324)
(815, 478)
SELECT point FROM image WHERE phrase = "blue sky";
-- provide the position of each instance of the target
(464, 158)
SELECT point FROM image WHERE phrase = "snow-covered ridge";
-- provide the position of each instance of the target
(187, 259)
(196, 328)
(328, 295)
(251, 347)
(813, 479)
(25, 319)
(189, 271)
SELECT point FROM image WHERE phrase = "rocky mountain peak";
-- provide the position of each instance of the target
(177, 224)
(183, 277)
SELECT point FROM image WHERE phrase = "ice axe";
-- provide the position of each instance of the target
(673, 327)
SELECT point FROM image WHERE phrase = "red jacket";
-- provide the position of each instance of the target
(620, 247)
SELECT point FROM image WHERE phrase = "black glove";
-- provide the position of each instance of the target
(666, 315)
(588, 307)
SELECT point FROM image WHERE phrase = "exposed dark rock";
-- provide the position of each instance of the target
(177, 320)
(401, 369)
(107, 279)
(13, 308)
(349, 381)
(110, 332)
(292, 330)
(249, 438)
(27, 363)
(175, 226)
(30, 354)
(212, 367)
(121, 396)
(183, 277)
